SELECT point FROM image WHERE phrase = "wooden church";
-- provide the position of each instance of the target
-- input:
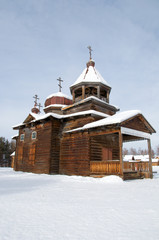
(82, 135)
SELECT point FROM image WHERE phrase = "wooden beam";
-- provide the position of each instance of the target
(107, 97)
(150, 158)
(73, 94)
(102, 132)
(83, 92)
(98, 91)
(121, 153)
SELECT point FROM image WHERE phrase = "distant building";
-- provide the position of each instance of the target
(140, 158)
(5, 161)
(81, 135)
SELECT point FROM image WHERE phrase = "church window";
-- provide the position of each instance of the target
(33, 135)
(22, 137)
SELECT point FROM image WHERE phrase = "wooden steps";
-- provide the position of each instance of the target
(130, 175)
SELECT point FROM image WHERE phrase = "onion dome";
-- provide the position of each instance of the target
(56, 101)
(35, 109)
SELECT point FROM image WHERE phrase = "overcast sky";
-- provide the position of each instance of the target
(41, 40)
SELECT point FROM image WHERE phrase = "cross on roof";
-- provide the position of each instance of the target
(36, 98)
(39, 105)
(90, 51)
(60, 80)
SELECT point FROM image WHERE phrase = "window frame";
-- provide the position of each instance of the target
(22, 136)
(35, 137)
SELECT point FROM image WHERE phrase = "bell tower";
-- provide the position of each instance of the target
(90, 83)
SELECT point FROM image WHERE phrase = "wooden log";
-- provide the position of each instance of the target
(150, 158)
(121, 153)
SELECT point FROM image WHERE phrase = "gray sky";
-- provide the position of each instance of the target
(41, 40)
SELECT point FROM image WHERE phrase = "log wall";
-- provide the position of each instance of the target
(110, 141)
(73, 123)
(89, 106)
(75, 156)
(33, 155)
(55, 147)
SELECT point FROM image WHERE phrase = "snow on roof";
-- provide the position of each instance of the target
(15, 136)
(12, 154)
(56, 105)
(91, 98)
(86, 113)
(116, 118)
(59, 94)
(90, 74)
(59, 116)
(35, 115)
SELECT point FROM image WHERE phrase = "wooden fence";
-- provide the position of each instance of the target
(113, 167)
(105, 167)
(136, 166)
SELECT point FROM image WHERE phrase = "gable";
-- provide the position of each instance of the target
(138, 123)
(29, 118)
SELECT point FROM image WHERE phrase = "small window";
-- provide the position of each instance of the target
(33, 135)
(22, 137)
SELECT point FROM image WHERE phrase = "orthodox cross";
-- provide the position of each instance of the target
(60, 80)
(90, 51)
(36, 98)
(39, 105)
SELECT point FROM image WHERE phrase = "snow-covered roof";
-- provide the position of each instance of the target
(116, 118)
(90, 74)
(56, 105)
(35, 115)
(92, 98)
(58, 116)
(59, 94)
(13, 154)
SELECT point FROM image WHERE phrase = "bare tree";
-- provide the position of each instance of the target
(157, 150)
(133, 151)
(125, 151)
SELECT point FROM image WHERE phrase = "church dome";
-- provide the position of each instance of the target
(90, 83)
(58, 98)
(90, 75)
(56, 101)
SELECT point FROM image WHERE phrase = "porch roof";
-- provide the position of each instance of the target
(117, 120)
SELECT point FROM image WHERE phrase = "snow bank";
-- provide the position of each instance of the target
(39, 206)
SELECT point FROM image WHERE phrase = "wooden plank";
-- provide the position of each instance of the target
(150, 158)
(121, 153)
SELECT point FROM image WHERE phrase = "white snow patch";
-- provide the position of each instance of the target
(55, 105)
(58, 116)
(39, 206)
(59, 94)
(90, 74)
(116, 118)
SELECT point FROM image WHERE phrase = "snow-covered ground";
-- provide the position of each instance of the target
(41, 207)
